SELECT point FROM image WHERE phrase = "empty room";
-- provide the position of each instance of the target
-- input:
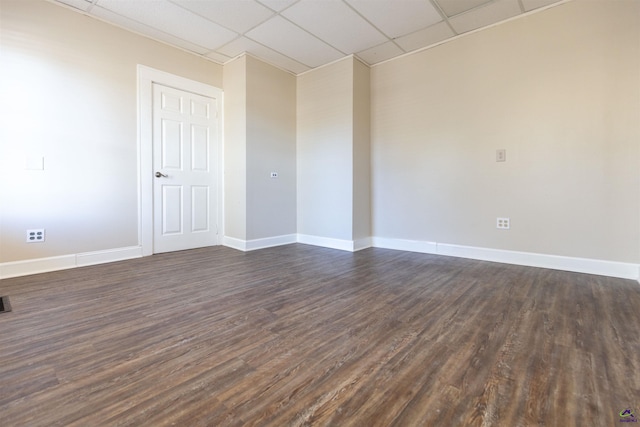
(319, 212)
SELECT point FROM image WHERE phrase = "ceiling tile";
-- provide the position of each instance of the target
(454, 7)
(131, 25)
(173, 19)
(78, 4)
(335, 23)
(278, 5)
(535, 4)
(288, 39)
(297, 35)
(427, 37)
(380, 53)
(485, 15)
(243, 45)
(236, 15)
(397, 18)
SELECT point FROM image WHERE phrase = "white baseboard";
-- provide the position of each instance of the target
(360, 244)
(406, 245)
(110, 255)
(270, 242)
(234, 243)
(579, 265)
(328, 242)
(35, 266)
(44, 265)
(555, 262)
(255, 244)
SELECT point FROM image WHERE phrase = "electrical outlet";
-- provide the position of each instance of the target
(35, 235)
(503, 223)
(274, 174)
(501, 155)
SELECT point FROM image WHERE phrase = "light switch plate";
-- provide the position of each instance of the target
(34, 163)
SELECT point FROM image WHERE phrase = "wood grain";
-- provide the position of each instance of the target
(299, 335)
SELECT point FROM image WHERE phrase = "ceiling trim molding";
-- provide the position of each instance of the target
(137, 33)
(350, 56)
(451, 39)
(250, 55)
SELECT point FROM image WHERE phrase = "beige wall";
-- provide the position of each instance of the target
(271, 147)
(68, 94)
(235, 149)
(260, 138)
(559, 90)
(334, 152)
(324, 151)
(361, 151)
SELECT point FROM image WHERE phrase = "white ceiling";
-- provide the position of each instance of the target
(298, 35)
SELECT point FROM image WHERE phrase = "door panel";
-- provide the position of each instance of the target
(171, 209)
(185, 184)
(200, 109)
(171, 144)
(171, 102)
(200, 208)
(199, 148)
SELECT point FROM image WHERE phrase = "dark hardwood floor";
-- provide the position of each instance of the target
(299, 335)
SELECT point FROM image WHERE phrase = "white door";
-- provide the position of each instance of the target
(185, 187)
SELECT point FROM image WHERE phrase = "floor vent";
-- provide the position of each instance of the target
(4, 305)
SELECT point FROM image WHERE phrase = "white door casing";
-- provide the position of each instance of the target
(147, 79)
(184, 159)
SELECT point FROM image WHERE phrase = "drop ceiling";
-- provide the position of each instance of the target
(299, 35)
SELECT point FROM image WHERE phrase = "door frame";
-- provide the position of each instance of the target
(147, 76)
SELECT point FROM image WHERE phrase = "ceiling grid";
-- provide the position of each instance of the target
(299, 35)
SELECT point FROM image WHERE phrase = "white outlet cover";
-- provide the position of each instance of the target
(503, 223)
(35, 235)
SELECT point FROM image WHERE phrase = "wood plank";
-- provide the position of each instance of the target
(300, 335)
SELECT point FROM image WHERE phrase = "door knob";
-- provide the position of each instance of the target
(161, 175)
